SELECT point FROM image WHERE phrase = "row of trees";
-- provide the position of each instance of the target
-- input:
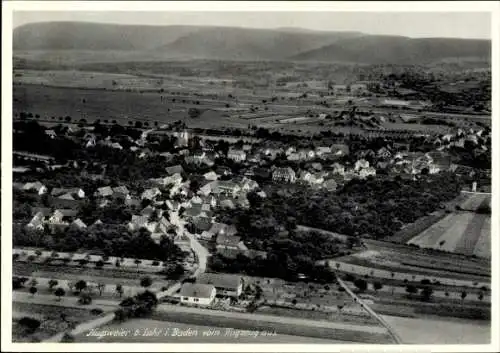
(109, 241)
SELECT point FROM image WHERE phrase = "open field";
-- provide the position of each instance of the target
(474, 201)
(170, 333)
(398, 262)
(432, 331)
(50, 318)
(457, 232)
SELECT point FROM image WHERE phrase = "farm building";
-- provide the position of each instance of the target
(197, 294)
(226, 285)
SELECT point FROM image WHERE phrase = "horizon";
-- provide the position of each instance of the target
(404, 24)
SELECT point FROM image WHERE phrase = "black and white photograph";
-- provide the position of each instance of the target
(238, 175)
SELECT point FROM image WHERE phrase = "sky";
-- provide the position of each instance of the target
(410, 24)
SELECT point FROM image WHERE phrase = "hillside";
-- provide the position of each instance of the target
(92, 42)
(93, 36)
(249, 44)
(398, 50)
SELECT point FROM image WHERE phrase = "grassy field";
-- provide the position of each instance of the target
(433, 331)
(457, 232)
(199, 334)
(50, 318)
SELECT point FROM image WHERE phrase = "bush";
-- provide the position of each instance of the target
(29, 323)
(96, 311)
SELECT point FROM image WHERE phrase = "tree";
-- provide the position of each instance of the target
(29, 323)
(60, 292)
(426, 293)
(80, 285)
(67, 119)
(67, 338)
(53, 283)
(146, 282)
(463, 295)
(137, 262)
(480, 296)
(361, 284)
(100, 288)
(38, 253)
(411, 289)
(33, 290)
(33, 282)
(85, 299)
(119, 290)
(377, 285)
(99, 264)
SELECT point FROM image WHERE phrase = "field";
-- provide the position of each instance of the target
(309, 300)
(50, 318)
(460, 232)
(432, 331)
(219, 335)
(415, 264)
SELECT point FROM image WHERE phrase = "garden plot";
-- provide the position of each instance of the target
(483, 245)
(454, 233)
(471, 235)
(432, 234)
(449, 233)
(474, 201)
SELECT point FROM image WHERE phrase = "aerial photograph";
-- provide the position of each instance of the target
(251, 177)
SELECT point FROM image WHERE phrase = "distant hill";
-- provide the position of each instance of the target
(94, 36)
(249, 44)
(397, 50)
(229, 43)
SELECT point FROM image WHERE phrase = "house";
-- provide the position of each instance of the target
(227, 202)
(317, 166)
(225, 284)
(227, 187)
(197, 294)
(440, 160)
(150, 194)
(51, 133)
(211, 176)
(330, 185)
(221, 228)
(229, 241)
(248, 184)
(37, 221)
(121, 190)
(61, 216)
(202, 224)
(223, 170)
(340, 149)
(37, 187)
(104, 191)
(172, 205)
(361, 164)
(384, 153)
(286, 175)
(290, 150)
(176, 169)
(366, 172)
(75, 192)
(67, 196)
(78, 224)
(236, 155)
(139, 222)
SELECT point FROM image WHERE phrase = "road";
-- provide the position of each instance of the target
(378, 273)
(70, 302)
(271, 319)
(365, 306)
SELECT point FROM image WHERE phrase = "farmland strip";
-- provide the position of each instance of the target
(430, 236)
(483, 245)
(453, 234)
(470, 236)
